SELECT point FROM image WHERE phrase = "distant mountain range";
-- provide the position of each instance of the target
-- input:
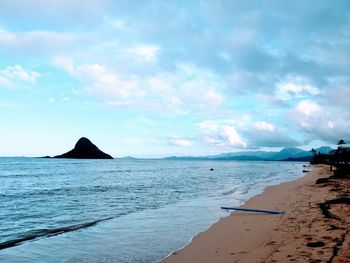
(286, 154)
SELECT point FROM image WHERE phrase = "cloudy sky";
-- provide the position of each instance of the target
(156, 78)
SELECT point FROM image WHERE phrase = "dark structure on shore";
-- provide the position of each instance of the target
(320, 158)
(338, 159)
(85, 149)
(341, 160)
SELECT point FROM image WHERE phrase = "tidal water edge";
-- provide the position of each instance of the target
(61, 210)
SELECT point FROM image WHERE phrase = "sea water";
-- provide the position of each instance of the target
(64, 210)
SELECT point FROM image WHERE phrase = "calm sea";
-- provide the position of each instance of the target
(56, 210)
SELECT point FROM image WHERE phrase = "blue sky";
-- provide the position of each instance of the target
(157, 78)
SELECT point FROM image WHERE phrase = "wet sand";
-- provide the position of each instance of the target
(305, 234)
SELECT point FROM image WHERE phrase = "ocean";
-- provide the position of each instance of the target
(65, 210)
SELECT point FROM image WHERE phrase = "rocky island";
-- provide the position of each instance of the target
(85, 149)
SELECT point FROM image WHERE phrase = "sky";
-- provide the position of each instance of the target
(160, 78)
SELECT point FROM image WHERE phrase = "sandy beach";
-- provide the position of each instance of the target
(306, 233)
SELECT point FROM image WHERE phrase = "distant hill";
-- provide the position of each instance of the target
(220, 158)
(85, 149)
(324, 149)
(242, 158)
(186, 158)
(290, 153)
(286, 154)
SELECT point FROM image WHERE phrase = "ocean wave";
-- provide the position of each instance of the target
(65, 191)
(38, 233)
(229, 192)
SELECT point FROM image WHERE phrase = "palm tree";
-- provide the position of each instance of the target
(341, 142)
(313, 151)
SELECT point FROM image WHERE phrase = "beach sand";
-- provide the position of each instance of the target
(304, 234)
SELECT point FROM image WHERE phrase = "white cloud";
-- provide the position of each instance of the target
(231, 136)
(18, 72)
(213, 125)
(160, 84)
(66, 63)
(243, 133)
(330, 124)
(222, 133)
(188, 86)
(295, 87)
(182, 142)
(208, 126)
(321, 123)
(189, 89)
(308, 107)
(213, 97)
(265, 126)
(146, 52)
(17, 77)
(102, 80)
(178, 141)
(36, 41)
(99, 78)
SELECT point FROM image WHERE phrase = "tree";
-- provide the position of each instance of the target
(341, 142)
(313, 151)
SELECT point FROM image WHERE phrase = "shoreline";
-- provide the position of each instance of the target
(300, 235)
(261, 192)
